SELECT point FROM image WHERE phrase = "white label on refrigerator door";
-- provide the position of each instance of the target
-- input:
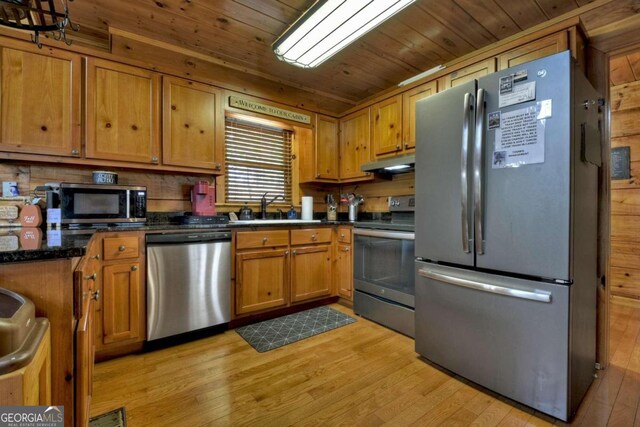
(519, 139)
(519, 94)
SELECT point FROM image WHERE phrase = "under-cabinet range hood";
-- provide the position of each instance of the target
(393, 165)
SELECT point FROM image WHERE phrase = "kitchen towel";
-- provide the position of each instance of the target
(307, 208)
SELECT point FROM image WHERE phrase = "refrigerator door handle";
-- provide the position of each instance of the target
(464, 179)
(477, 171)
(539, 296)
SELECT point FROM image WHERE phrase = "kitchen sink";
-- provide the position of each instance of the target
(273, 221)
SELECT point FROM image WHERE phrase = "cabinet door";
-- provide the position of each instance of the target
(310, 272)
(409, 99)
(84, 349)
(355, 137)
(40, 102)
(121, 303)
(537, 49)
(387, 126)
(467, 74)
(191, 120)
(326, 148)
(344, 271)
(262, 279)
(123, 113)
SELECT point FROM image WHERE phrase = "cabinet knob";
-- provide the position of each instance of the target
(96, 257)
(398, 147)
(74, 152)
(218, 166)
(406, 145)
(121, 248)
(342, 235)
(286, 252)
(154, 159)
(295, 252)
(264, 239)
(134, 268)
(313, 237)
(346, 249)
(93, 277)
(317, 175)
(96, 295)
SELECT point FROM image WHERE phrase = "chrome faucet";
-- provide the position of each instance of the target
(264, 204)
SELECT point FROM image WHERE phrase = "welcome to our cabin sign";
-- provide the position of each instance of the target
(257, 107)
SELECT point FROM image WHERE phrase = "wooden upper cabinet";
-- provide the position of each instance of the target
(463, 75)
(123, 113)
(326, 148)
(192, 119)
(40, 102)
(387, 126)
(409, 99)
(355, 138)
(537, 49)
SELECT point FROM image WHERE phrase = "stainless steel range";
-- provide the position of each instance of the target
(383, 274)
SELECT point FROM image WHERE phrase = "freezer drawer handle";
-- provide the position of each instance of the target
(539, 296)
(464, 179)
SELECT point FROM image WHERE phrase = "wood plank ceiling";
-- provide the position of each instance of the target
(240, 32)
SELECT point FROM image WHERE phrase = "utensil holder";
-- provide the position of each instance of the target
(353, 212)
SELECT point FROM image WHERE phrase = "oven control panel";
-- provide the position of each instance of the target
(402, 204)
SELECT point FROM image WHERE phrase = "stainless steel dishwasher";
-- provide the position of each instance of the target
(188, 282)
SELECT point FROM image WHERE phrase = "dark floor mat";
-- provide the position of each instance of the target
(274, 333)
(115, 418)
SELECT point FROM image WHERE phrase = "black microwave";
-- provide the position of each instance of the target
(97, 203)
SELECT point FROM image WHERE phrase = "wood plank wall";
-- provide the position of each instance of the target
(625, 194)
(166, 192)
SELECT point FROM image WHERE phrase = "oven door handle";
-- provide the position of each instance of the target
(398, 235)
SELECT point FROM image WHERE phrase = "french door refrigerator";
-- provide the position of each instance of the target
(506, 232)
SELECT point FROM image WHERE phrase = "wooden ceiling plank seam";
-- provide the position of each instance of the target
(266, 7)
(462, 22)
(299, 5)
(185, 51)
(555, 8)
(426, 24)
(405, 34)
(392, 50)
(612, 11)
(634, 63)
(526, 13)
(491, 16)
(543, 11)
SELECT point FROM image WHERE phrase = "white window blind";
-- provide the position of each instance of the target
(258, 160)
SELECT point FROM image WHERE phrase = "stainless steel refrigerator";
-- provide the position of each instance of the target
(506, 232)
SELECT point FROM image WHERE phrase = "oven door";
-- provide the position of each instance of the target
(384, 265)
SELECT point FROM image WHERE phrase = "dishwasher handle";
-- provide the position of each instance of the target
(181, 238)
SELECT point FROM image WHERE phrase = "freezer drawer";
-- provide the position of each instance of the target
(508, 335)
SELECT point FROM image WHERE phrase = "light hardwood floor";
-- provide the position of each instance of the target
(360, 374)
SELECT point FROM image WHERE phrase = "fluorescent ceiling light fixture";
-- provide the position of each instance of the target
(397, 167)
(331, 25)
(422, 75)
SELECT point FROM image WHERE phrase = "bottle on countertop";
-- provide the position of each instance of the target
(292, 214)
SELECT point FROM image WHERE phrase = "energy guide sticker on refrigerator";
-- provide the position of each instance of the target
(506, 274)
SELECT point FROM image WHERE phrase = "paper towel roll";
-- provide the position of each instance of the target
(307, 208)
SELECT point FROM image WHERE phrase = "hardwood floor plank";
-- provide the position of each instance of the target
(361, 374)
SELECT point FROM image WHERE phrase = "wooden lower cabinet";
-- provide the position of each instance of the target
(121, 306)
(310, 272)
(344, 271)
(262, 279)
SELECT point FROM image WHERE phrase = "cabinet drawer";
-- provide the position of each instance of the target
(344, 234)
(120, 247)
(311, 235)
(261, 239)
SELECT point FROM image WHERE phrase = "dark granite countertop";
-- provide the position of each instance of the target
(23, 244)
